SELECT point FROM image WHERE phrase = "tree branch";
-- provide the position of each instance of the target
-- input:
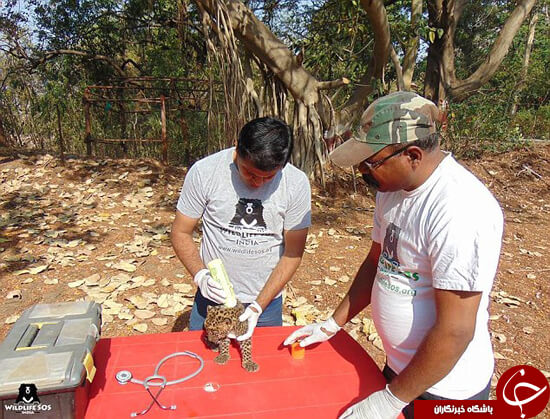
(48, 55)
(324, 85)
(461, 89)
(378, 19)
(259, 40)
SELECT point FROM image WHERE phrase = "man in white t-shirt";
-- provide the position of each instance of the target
(434, 254)
(256, 209)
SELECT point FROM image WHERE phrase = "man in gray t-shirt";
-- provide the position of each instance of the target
(256, 210)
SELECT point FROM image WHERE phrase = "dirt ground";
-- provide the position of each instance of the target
(98, 228)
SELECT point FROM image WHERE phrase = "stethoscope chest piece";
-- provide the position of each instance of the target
(123, 377)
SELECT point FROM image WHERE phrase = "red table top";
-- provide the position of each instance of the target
(332, 376)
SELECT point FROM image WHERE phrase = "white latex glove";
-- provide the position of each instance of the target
(209, 286)
(251, 314)
(379, 405)
(316, 332)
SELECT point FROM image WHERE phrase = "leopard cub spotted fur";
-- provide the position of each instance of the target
(223, 321)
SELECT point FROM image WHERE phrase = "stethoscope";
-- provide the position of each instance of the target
(157, 380)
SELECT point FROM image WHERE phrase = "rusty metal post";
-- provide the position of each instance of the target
(88, 133)
(163, 130)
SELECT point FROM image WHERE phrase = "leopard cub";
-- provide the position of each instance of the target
(221, 324)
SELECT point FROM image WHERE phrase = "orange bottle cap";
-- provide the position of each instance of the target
(297, 351)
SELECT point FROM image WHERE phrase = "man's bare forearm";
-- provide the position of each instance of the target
(359, 294)
(187, 252)
(283, 272)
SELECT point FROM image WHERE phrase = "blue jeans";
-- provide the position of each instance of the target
(271, 316)
(408, 411)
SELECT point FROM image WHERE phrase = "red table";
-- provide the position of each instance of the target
(332, 376)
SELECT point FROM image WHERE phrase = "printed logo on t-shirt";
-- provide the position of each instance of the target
(248, 229)
(390, 243)
(388, 264)
(249, 213)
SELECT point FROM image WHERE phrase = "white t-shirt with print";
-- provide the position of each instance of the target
(446, 234)
(244, 226)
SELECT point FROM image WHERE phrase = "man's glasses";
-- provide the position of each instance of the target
(372, 166)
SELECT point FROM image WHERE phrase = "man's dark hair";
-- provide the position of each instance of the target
(428, 143)
(266, 142)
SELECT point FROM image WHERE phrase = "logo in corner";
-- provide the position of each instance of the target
(525, 389)
(27, 394)
(27, 402)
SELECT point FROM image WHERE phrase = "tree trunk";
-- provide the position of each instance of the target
(311, 113)
(436, 19)
(398, 69)
(259, 40)
(3, 137)
(525, 66)
(409, 59)
(354, 107)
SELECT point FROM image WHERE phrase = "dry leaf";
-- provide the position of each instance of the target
(125, 266)
(138, 301)
(329, 281)
(38, 269)
(92, 280)
(300, 317)
(168, 311)
(184, 288)
(160, 321)
(149, 283)
(298, 302)
(76, 283)
(140, 327)
(378, 343)
(15, 294)
(144, 314)
(511, 302)
(51, 281)
(163, 301)
(22, 271)
(11, 319)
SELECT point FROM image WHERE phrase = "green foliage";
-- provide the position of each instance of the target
(163, 39)
(478, 126)
(533, 123)
(484, 122)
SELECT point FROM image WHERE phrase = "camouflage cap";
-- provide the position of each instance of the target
(399, 117)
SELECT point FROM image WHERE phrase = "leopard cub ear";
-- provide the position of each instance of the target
(208, 309)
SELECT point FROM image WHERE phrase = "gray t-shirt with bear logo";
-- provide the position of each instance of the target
(244, 226)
